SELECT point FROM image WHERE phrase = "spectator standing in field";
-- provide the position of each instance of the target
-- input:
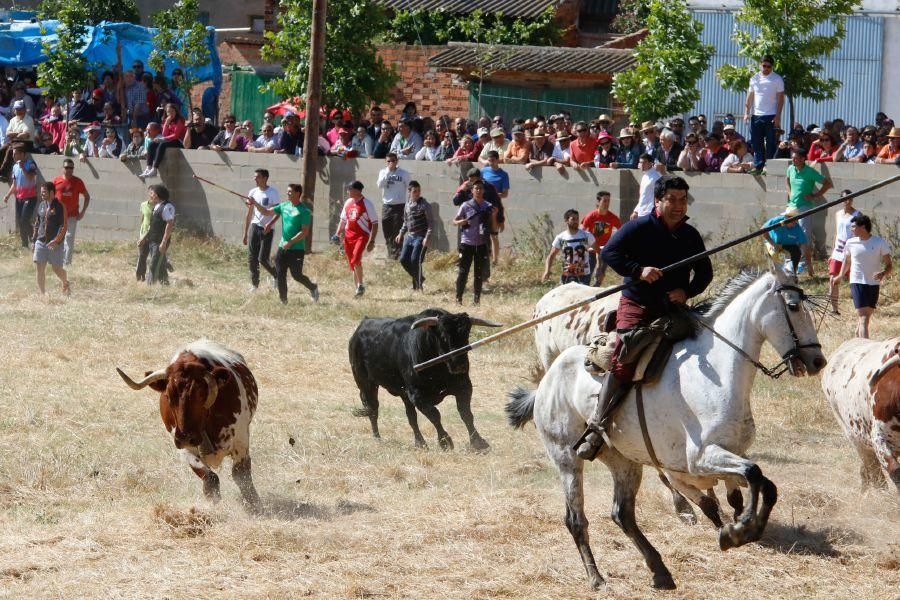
(602, 223)
(392, 181)
(159, 235)
(68, 189)
(841, 235)
(358, 226)
(296, 220)
(258, 227)
(476, 219)
(23, 187)
(146, 208)
(864, 256)
(765, 99)
(415, 234)
(646, 198)
(801, 180)
(49, 232)
(576, 246)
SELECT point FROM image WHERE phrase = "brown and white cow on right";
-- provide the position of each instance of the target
(862, 384)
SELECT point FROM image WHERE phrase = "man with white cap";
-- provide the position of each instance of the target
(19, 131)
(498, 143)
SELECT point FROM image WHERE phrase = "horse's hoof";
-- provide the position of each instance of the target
(687, 518)
(479, 443)
(446, 443)
(420, 444)
(597, 583)
(726, 540)
(663, 581)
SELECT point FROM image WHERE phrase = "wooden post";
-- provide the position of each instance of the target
(313, 102)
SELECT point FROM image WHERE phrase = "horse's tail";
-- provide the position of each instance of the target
(520, 408)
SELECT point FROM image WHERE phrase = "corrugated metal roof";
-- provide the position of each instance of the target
(857, 63)
(533, 59)
(510, 8)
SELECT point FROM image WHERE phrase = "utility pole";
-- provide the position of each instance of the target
(313, 103)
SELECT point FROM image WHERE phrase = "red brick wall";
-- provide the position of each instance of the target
(435, 93)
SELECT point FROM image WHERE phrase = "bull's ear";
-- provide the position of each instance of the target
(425, 322)
(222, 376)
(159, 385)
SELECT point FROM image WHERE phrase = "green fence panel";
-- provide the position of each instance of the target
(511, 101)
(247, 102)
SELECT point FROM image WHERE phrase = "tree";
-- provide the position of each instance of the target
(66, 69)
(353, 74)
(118, 11)
(181, 38)
(631, 16)
(670, 61)
(786, 34)
(434, 27)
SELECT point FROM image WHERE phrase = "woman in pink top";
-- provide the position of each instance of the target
(822, 149)
(174, 127)
(173, 131)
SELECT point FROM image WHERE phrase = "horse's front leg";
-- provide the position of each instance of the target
(715, 460)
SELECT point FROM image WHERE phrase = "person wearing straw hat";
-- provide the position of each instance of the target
(650, 137)
(890, 154)
(629, 152)
(787, 238)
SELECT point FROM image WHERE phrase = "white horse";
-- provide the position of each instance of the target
(698, 416)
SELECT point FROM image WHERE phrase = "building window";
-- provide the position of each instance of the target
(257, 23)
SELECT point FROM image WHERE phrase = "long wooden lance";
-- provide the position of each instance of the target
(221, 187)
(681, 263)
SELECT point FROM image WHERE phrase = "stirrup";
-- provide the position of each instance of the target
(589, 444)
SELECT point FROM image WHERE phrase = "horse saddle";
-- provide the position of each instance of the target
(651, 357)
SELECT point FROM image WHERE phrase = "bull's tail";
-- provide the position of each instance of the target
(520, 408)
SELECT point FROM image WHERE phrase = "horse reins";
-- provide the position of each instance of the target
(782, 367)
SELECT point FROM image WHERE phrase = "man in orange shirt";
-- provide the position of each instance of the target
(519, 149)
(68, 188)
(583, 149)
(891, 151)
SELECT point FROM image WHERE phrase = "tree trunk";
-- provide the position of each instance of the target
(313, 102)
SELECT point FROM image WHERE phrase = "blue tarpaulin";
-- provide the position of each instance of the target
(21, 46)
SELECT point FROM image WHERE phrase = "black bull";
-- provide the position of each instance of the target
(383, 352)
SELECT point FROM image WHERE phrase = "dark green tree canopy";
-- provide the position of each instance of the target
(353, 75)
(786, 33)
(670, 61)
(181, 38)
(66, 68)
(119, 11)
(437, 27)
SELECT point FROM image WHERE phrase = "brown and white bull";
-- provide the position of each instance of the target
(862, 384)
(207, 400)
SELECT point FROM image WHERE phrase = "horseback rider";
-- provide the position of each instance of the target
(638, 251)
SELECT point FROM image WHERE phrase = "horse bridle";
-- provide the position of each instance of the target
(785, 365)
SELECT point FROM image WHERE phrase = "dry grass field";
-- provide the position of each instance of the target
(95, 503)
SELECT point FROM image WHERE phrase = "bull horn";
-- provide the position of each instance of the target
(212, 391)
(137, 385)
(484, 322)
(892, 362)
(425, 322)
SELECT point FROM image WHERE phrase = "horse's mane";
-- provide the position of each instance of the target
(713, 306)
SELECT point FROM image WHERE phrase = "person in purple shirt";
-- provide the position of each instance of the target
(711, 158)
(476, 219)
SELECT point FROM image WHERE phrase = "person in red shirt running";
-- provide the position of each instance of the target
(602, 223)
(359, 224)
(68, 188)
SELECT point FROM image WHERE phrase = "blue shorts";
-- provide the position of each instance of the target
(864, 296)
(45, 255)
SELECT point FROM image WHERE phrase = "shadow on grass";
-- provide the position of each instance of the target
(288, 509)
(802, 540)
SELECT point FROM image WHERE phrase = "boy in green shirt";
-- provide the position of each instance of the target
(295, 224)
(801, 183)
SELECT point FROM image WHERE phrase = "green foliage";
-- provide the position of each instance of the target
(182, 39)
(118, 11)
(670, 61)
(435, 27)
(353, 75)
(632, 16)
(786, 33)
(66, 68)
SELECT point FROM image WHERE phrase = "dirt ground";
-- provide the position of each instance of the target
(94, 501)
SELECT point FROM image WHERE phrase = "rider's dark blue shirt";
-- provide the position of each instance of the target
(647, 242)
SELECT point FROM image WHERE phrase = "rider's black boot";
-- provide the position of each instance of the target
(591, 441)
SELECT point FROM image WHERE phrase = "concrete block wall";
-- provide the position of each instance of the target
(724, 205)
